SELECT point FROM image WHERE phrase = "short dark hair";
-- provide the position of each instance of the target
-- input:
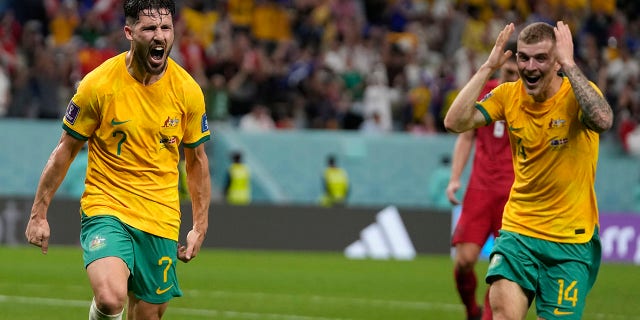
(331, 160)
(132, 8)
(236, 156)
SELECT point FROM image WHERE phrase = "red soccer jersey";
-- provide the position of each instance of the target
(492, 165)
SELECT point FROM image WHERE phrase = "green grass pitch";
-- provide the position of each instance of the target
(261, 285)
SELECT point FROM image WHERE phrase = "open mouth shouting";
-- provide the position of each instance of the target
(157, 55)
(531, 80)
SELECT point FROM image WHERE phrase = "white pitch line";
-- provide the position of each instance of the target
(334, 300)
(275, 316)
(186, 311)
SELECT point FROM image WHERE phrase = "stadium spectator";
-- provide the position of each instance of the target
(405, 37)
(258, 120)
(125, 256)
(372, 124)
(485, 196)
(554, 121)
(64, 22)
(237, 186)
(217, 98)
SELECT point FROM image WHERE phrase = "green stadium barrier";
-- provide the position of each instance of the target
(286, 166)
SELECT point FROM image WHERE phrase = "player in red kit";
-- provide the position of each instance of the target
(488, 190)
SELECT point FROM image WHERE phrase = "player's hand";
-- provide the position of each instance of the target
(38, 233)
(564, 44)
(498, 56)
(190, 251)
(452, 188)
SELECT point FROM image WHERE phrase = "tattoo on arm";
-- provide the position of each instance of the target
(597, 112)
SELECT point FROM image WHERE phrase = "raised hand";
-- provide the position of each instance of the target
(498, 56)
(564, 44)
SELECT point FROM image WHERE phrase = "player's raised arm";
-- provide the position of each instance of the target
(598, 114)
(462, 115)
(38, 232)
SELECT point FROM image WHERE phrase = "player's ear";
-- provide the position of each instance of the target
(557, 67)
(127, 32)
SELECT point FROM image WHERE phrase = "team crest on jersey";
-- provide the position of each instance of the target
(171, 122)
(72, 112)
(557, 123)
(495, 260)
(97, 243)
(204, 126)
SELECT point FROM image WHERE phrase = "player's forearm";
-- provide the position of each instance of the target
(460, 116)
(198, 179)
(51, 178)
(597, 112)
(461, 152)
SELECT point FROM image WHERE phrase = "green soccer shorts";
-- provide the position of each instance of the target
(559, 275)
(150, 259)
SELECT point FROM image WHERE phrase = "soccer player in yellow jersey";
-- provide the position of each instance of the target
(548, 247)
(133, 111)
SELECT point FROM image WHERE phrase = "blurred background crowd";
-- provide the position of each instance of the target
(371, 65)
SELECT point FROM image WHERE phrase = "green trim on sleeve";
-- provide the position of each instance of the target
(484, 112)
(73, 133)
(197, 143)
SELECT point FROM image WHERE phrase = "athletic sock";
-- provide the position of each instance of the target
(466, 283)
(95, 314)
(486, 313)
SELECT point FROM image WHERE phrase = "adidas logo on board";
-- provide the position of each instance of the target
(386, 238)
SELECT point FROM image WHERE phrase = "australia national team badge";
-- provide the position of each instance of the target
(97, 243)
(72, 113)
(171, 122)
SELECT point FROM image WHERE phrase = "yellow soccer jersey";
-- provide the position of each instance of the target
(133, 134)
(554, 156)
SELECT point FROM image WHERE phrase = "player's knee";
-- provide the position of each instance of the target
(465, 262)
(110, 303)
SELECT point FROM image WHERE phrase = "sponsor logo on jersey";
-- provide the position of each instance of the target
(114, 122)
(557, 312)
(161, 291)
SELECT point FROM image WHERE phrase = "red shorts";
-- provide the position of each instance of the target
(481, 216)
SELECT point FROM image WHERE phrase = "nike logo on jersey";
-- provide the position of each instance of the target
(115, 123)
(561, 313)
(161, 291)
(512, 129)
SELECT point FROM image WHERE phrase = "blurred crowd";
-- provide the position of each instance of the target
(371, 65)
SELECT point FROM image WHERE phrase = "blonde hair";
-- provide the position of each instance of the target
(537, 32)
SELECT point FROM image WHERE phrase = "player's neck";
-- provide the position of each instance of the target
(139, 73)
